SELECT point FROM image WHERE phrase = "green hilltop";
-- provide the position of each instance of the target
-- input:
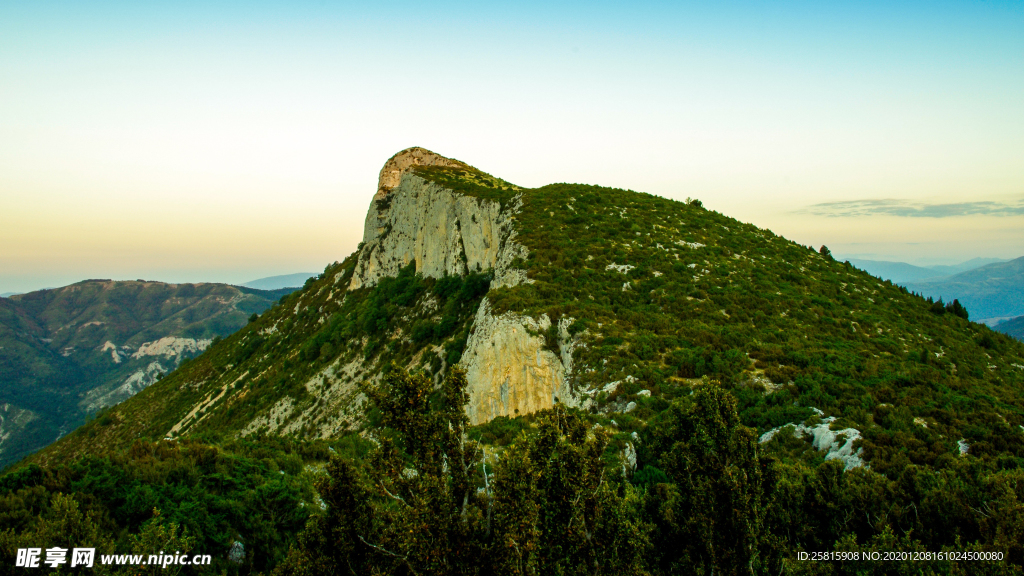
(694, 347)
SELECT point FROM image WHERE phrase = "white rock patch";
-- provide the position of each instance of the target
(108, 345)
(693, 245)
(171, 346)
(620, 268)
(837, 443)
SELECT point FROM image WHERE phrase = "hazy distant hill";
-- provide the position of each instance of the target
(971, 264)
(278, 282)
(1014, 327)
(6, 294)
(66, 352)
(901, 272)
(994, 290)
(895, 271)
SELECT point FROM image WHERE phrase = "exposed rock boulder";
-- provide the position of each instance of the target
(443, 232)
(837, 444)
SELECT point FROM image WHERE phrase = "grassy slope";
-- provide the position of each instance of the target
(709, 296)
(827, 334)
(276, 355)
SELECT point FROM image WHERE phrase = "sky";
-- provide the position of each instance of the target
(230, 141)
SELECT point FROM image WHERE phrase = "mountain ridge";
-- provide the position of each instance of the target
(990, 291)
(67, 352)
(563, 378)
(612, 312)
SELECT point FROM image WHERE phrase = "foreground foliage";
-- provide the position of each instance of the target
(428, 501)
(187, 496)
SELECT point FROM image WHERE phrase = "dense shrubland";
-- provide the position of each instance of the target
(716, 331)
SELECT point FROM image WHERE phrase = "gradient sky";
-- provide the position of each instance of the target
(184, 142)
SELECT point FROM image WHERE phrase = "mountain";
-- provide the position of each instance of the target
(991, 291)
(278, 282)
(67, 352)
(971, 264)
(7, 294)
(896, 271)
(559, 380)
(1013, 327)
(901, 272)
(571, 293)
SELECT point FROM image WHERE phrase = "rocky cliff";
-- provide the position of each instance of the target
(444, 232)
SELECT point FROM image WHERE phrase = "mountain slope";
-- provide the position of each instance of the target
(610, 300)
(991, 291)
(616, 349)
(973, 263)
(67, 352)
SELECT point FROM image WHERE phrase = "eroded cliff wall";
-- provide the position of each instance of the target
(509, 370)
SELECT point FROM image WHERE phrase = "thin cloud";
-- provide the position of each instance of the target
(854, 208)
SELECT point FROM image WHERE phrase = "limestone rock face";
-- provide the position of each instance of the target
(508, 369)
(444, 232)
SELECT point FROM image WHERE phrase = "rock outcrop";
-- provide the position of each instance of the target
(837, 444)
(445, 232)
(396, 167)
(508, 368)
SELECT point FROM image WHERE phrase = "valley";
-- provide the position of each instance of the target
(66, 353)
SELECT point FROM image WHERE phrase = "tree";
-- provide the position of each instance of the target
(427, 502)
(415, 509)
(711, 520)
(558, 509)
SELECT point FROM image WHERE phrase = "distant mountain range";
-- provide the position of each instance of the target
(67, 352)
(6, 294)
(992, 289)
(296, 280)
(989, 292)
(1013, 327)
(901, 272)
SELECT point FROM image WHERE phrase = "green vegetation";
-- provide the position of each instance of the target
(694, 335)
(428, 500)
(186, 496)
(710, 296)
(274, 356)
